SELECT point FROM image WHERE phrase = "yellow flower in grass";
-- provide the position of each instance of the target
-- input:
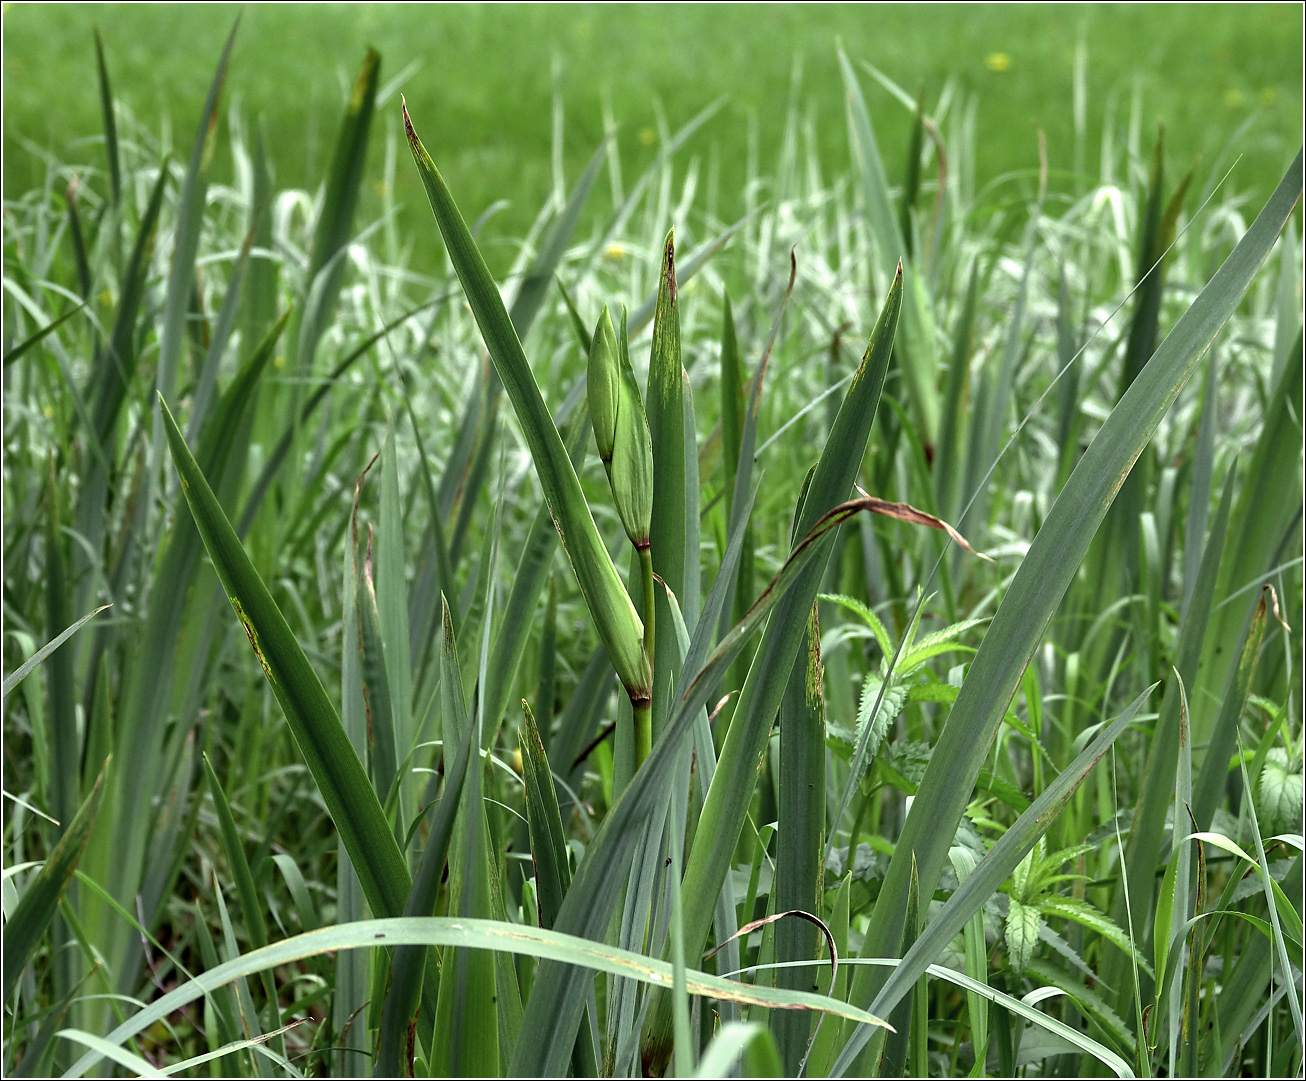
(998, 61)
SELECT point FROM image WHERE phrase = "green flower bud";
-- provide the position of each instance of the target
(631, 475)
(621, 429)
(603, 386)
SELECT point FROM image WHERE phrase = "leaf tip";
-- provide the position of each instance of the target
(414, 143)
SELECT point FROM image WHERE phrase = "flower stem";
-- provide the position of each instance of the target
(644, 710)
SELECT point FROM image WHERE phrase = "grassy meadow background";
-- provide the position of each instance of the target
(487, 76)
(923, 432)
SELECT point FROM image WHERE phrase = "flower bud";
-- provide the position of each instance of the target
(621, 429)
(602, 385)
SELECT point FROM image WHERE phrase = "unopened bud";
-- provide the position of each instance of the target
(629, 449)
(603, 386)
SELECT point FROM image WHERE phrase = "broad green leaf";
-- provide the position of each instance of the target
(313, 720)
(800, 835)
(1279, 791)
(463, 934)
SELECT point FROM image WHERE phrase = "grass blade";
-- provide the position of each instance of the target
(800, 836)
(110, 124)
(36, 907)
(548, 842)
(618, 625)
(313, 720)
(335, 222)
(473, 934)
(190, 218)
(666, 425)
(22, 347)
(23, 670)
(395, 1053)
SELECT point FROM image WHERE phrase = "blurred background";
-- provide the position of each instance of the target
(482, 82)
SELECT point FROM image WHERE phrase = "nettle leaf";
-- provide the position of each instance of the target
(932, 645)
(1021, 875)
(868, 865)
(1087, 999)
(868, 617)
(1045, 873)
(1059, 945)
(840, 739)
(892, 703)
(1279, 793)
(1023, 923)
(1087, 916)
(909, 758)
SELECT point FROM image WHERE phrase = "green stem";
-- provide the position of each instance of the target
(643, 732)
(646, 570)
(644, 710)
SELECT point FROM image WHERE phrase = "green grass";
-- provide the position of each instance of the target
(938, 578)
(486, 75)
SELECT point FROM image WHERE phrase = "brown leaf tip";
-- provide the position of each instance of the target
(895, 277)
(413, 141)
(669, 264)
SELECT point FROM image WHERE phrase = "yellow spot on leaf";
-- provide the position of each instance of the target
(998, 61)
(648, 137)
(252, 635)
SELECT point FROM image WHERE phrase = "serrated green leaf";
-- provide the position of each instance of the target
(1021, 930)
